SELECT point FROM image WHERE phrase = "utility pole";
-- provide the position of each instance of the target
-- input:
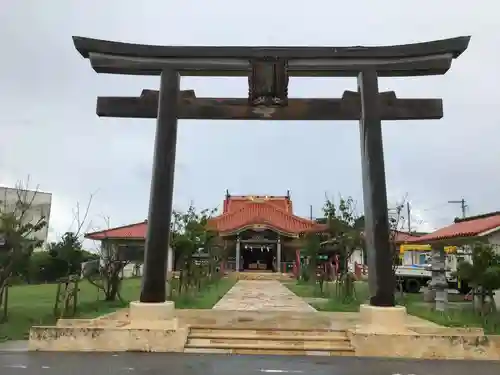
(408, 210)
(462, 204)
(311, 211)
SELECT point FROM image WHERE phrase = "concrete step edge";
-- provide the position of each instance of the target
(269, 347)
(309, 353)
(318, 330)
(266, 337)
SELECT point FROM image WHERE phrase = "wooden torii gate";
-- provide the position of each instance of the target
(268, 70)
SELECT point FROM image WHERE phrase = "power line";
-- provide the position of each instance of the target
(462, 205)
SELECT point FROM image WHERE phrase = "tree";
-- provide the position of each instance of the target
(482, 274)
(67, 254)
(102, 268)
(105, 272)
(41, 268)
(344, 234)
(344, 229)
(64, 257)
(60, 259)
(190, 237)
(312, 248)
(19, 225)
(396, 226)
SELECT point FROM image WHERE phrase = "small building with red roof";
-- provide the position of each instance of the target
(401, 237)
(130, 232)
(457, 237)
(127, 239)
(485, 227)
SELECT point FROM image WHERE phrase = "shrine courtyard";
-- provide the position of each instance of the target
(260, 315)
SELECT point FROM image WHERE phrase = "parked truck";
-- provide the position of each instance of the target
(414, 271)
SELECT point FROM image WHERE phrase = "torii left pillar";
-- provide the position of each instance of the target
(152, 304)
(381, 315)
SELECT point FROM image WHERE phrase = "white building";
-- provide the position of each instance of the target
(484, 228)
(461, 234)
(39, 205)
(398, 237)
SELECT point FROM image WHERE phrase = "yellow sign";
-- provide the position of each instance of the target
(447, 249)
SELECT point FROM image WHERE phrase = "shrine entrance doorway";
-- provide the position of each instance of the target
(259, 257)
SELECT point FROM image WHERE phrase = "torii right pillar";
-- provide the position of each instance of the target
(381, 314)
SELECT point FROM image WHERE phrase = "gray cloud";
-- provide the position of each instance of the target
(50, 131)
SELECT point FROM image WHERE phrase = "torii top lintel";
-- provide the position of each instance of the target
(429, 58)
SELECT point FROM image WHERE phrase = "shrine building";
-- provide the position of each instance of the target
(260, 232)
(257, 232)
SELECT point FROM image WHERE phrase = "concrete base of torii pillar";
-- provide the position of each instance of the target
(383, 320)
(157, 314)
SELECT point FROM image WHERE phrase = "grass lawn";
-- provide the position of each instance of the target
(207, 297)
(33, 304)
(329, 293)
(456, 316)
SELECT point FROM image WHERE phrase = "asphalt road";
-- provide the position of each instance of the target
(18, 363)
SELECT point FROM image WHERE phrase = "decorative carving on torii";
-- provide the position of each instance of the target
(268, 82)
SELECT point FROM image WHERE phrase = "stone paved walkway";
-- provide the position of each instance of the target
(251, 295)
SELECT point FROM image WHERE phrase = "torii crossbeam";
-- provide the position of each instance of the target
(346, 108)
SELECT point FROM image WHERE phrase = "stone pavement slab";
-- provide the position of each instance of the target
(269, 295)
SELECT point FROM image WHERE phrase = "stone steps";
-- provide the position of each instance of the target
(259, 342)
(197, 331)
(262, 276)
(291, 338)
(266, 341)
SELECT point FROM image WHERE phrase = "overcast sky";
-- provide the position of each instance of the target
(49, 129)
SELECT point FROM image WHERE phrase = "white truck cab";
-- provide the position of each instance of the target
(414, 271)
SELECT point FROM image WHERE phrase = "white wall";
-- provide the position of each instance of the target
(130, 269)
(494, 238)
(356, 257)
(40, 206)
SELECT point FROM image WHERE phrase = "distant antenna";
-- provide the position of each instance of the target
(288, 194)
(462, 205)
(227, 194)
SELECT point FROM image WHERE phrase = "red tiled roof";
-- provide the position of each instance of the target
(263, 213)
(131, 231)
(239, 211)
(469, 227)
(401, 237)
(235, 203)
(271, 211)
